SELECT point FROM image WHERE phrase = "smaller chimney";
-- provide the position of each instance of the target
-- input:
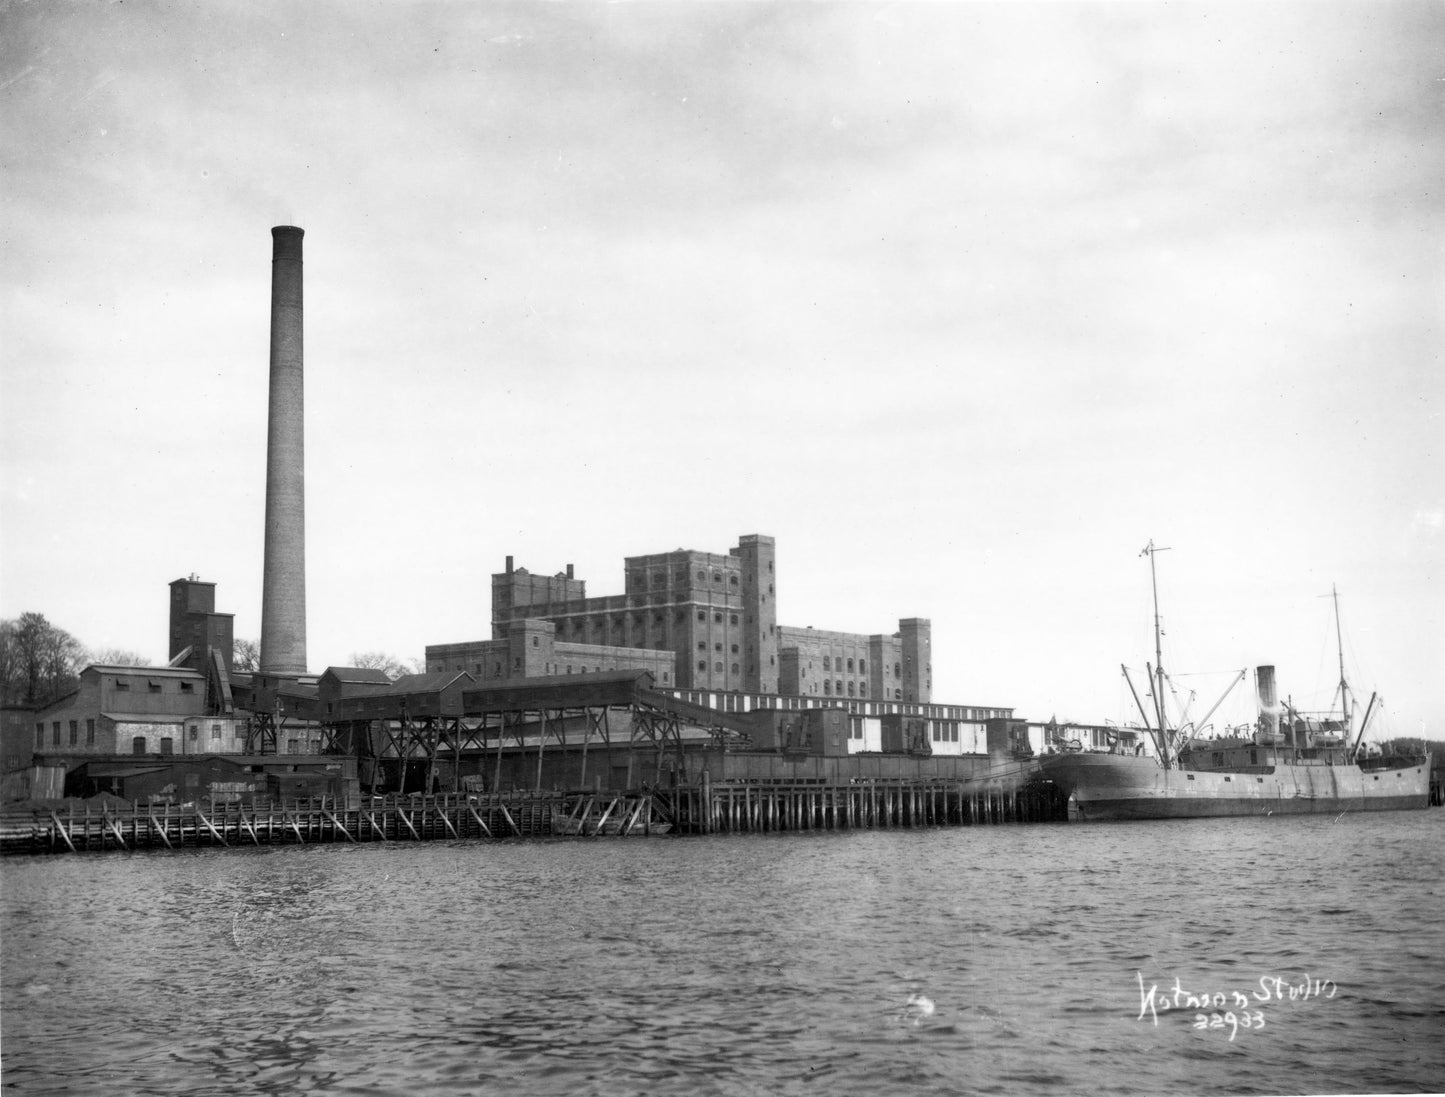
(509, 565)
(569, 571)
(1268, 703)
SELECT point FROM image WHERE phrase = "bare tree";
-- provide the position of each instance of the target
(40, 662)
(389, 665)
(119, 657)
(246, 656)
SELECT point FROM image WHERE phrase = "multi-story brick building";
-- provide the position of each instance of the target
(695, 620)
(897, 667)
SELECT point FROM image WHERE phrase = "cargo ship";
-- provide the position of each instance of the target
(1288, 763)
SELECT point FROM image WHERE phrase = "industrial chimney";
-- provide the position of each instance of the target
(283, 594)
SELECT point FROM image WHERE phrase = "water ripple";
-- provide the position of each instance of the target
(991, 960)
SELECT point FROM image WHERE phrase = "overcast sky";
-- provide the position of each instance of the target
(962, 303)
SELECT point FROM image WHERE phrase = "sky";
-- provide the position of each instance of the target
(965, 304)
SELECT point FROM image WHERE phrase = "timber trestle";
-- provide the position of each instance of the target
(753, 807)
(706, 808)
(81, 828)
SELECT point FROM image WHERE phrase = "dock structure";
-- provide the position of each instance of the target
(728, 808)
(742, 808)
(436, 757)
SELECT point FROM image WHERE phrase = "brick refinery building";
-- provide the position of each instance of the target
(694, 620)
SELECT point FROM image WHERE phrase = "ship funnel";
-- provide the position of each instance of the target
(1268, 704)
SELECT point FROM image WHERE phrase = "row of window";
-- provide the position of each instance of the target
(746, 702)
(152, 686)
(717, 667)
(73, 734)
(831, 688)
(847, 664)
(578, 624)
(74, 731)
(659, 578)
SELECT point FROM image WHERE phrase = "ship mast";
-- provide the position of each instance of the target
(1340, 643)
(1150, 550)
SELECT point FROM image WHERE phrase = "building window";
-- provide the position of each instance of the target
(827, 689)
(168, 745)
(862, 666)
(153, 685)
(536, 642)
(717, 618)
(702, 664)
(138, 745)
(850, 666)
(701, 615)
(215, 732)
(702, 645)
(735, 668)
(733, 619)
(90, 733)
(827, 663)
(74, 732)
(735, 649)
(195, 732)
(55, 734)
(897, 670)
(122, 684)
(188, 687)
(862, 689)
(733, 580)
(717, 667)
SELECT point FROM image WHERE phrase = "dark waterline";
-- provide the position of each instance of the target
(1010, 959)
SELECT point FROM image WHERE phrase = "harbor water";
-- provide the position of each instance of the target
(1253, 955)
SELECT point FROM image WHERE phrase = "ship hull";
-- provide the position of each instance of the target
(1109, 786)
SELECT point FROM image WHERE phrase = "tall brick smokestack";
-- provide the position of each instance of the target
(283, 595)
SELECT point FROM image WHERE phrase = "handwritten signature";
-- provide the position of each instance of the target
(1229, 1009)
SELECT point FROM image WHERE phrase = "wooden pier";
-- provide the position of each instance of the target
(786, 806)
(728, 808)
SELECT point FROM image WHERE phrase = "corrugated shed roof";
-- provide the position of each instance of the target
(121, 770)
(144, 672)
(617, 687)
(433, 682)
